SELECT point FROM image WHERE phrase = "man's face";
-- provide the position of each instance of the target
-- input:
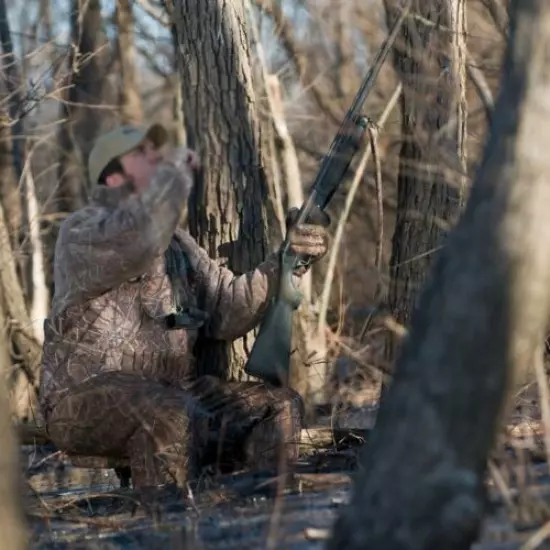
(139, 166)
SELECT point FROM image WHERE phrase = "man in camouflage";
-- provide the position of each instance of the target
(131, 291)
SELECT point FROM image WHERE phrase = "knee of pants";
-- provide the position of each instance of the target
(167, 425)
(274, 439)
(285, 419)
(288, 402)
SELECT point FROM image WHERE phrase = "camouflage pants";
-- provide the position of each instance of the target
(168, 433)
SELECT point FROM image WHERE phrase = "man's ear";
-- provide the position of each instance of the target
(115, 180)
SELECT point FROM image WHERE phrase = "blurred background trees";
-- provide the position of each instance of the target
(259, 88)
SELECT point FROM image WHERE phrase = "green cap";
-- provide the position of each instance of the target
(120, 141)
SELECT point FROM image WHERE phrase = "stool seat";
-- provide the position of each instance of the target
(121, 465)
(105, 462)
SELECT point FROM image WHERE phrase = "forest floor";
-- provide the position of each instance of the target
(76, 508)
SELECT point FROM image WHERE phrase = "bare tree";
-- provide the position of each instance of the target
(428, 195)
(457, 126)
(12, 521)
(20, 338)
(25, 374)
(85, 109)
(481, 321)
(228, 215)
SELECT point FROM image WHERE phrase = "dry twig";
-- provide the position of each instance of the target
(333, 257)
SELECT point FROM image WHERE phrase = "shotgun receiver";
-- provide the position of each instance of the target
(270, 355)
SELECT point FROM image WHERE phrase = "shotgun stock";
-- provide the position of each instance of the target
(270, 355)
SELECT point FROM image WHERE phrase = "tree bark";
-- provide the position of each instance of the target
(9, 192)
(227, 209)
(12, 520)
(458, 127)
(481, 321)
(428, 198)
(39, 296)
(179, 137)
(309, 343)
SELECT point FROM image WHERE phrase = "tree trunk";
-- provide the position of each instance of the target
(309, 343)
(179, 136)
(9, 192)
(428, 194)
(227, 210)
(131, 110)
(12, 521)
(39, 296)
(458, 128)
(481, 320)
(12, 82)
(87, 108)
(15, 93)
(89, 97)
(30, 248)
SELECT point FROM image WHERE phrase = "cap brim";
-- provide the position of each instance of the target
(121, 141)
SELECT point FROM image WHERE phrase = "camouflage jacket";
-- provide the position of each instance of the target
(113, 292)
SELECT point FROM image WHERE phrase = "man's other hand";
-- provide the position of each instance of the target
(308, 239)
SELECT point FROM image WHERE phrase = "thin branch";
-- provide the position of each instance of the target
(498, 14)
(483, 89)
(286, 35)
(327, 285)
(373, 135)
(13, 83)
(158, 14)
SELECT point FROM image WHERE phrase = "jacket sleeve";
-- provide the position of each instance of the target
(235, 303)
(99, 248)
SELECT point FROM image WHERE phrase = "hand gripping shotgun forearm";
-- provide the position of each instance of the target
(270, 355)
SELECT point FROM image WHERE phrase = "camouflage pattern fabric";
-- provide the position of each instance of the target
(117, 375)
(169, 434)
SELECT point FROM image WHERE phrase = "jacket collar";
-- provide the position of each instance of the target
(112, 196)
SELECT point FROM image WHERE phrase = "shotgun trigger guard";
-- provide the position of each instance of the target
(302, 261)
(288, 292)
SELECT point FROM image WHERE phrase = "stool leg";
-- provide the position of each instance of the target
(124, 475)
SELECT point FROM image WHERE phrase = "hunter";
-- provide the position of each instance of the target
(131, 292)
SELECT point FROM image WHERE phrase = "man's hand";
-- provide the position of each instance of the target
(184, 158)
(309, 239)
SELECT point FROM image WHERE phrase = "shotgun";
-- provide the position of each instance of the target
(270, 355)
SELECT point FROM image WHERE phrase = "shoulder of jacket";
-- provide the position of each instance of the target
(81, 215)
